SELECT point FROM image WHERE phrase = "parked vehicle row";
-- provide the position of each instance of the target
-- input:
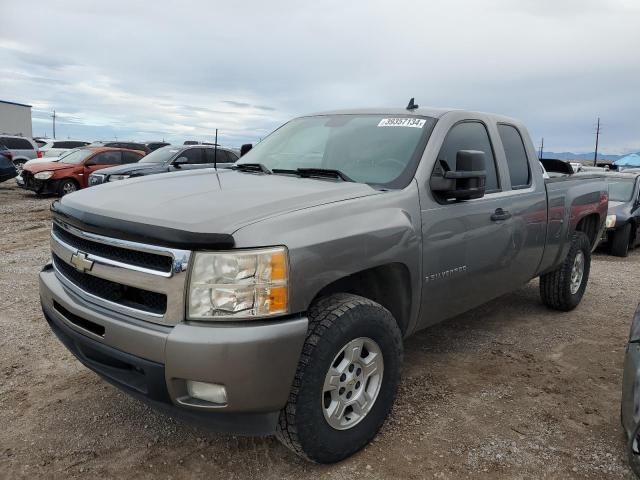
(168, 159)
(275, 296)
(24, 149)
(72, 171)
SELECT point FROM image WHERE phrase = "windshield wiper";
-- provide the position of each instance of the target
(251, 167)
(316, 172)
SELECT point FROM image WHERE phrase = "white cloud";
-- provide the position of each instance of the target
(184, 69)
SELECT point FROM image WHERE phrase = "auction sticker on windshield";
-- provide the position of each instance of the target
(402, 122)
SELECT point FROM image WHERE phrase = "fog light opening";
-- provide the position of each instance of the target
(209, 392)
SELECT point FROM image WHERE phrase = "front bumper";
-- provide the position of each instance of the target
(44, 187)
(255, 361)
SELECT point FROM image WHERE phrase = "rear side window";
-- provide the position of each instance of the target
(470, 136)
(193, 155)
(107, 158)
(516, 154)
(16, 143)
(222, 156)
(130, 157)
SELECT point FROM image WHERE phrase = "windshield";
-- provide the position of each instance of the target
(621, 189)
(76, 156)
(376, 149)
(160, 155)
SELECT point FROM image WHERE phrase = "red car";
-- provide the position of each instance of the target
(72, 172)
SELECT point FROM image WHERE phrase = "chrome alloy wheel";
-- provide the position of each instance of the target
(352, 383)
(577, 272)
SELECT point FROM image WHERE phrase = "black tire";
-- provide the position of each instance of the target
(334, 321)
(67, 186)
(620, 241)
(555, 286)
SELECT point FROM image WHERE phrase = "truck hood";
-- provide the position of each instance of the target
(209, 201)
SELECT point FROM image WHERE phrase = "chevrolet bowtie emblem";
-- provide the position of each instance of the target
(81, 262)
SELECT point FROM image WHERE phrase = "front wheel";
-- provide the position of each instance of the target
(563, 288)
(346, 381)
(66, 187)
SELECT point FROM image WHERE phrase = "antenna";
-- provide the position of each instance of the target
(215, 151)
(412, 105)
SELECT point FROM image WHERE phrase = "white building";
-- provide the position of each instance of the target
(15, 118)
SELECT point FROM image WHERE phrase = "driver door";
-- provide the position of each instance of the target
(467, 251)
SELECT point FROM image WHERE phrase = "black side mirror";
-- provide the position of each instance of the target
(180, 161)
(245, 148)
(464, 183)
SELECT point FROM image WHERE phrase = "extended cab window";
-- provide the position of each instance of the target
(470, 136)
(516, 154)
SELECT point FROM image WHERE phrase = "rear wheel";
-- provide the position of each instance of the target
(563, 288)
(620, 241)
(346, 381)
(67, 186)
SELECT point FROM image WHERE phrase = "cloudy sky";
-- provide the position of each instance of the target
(178, 70)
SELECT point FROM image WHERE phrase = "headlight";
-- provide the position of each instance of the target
(43, 175)
(240, 284)
(114, 178)
(611, 221)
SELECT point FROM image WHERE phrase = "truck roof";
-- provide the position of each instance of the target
(421, 111)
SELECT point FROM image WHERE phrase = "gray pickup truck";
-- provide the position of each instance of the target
(274, 296)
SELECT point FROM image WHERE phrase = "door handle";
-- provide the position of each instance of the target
(500, 214)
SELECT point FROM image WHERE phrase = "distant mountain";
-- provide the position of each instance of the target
(581, 156)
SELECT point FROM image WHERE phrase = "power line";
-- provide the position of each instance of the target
(54, 124)
(541, 149)
(595, 154)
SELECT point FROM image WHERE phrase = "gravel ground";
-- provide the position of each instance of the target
(508, 390)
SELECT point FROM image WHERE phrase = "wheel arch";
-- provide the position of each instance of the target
(388, 284)
(590, 226)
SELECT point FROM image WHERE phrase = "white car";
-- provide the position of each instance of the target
(54, 148)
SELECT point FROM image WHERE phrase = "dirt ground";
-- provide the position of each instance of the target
(508, 390)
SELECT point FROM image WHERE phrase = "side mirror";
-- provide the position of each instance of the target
(245, 148)
(464, 183)
(90, 163)
(180, 161)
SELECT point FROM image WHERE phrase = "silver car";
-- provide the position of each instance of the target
(22, 148)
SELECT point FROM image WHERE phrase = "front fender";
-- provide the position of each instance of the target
(335, 240)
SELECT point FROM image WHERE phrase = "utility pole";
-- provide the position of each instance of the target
(541, 149)
(595, 155)
(54, 124)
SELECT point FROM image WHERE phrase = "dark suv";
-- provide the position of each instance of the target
(168, 159)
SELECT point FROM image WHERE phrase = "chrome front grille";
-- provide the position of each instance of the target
(142, 281)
